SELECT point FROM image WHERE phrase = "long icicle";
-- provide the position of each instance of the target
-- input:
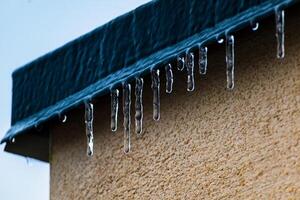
(156, 93)
(139, 84)
(190, 71)
(203, 60)
(230, 61)
(114, 94)
(126, 113)
(89, 117)
(279, 18)
(169, 78)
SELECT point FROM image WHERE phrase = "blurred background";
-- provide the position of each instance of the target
(29, 29)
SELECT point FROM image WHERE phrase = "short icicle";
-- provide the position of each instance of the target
(126, 113)
(190, 71)
(139, 84)
(89, 117)
(279, 16)
(180, 63)
(169, 78)
(114, 94)
(203, 60)
(156, 93)
(230, 61)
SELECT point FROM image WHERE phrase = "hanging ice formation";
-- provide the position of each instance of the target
(156, 93)
(182, 61)
(230, 61)
(126, 113)
(279, 19)
(202, 60)
(139, 84)
(169, 78)
(89, 117)
(114, 95)
(190, 71)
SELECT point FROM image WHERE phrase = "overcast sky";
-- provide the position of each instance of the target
(29, 29)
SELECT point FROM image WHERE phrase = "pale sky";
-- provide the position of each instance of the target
(29, 29)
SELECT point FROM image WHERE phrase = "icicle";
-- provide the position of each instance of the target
(169, 78)
(254, 26)
(114, 95)
(230, 61)
(190, 71)
(203, 60)
(156, 93)
(89, 117)
(280, 33)
(139, 84)
(126, 113)
(180, 63)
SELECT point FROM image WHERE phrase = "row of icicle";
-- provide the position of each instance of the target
(187, 62)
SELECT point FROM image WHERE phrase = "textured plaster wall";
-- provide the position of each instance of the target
(209, 144)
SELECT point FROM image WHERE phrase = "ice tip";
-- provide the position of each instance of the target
(127, 150)
(90, 154)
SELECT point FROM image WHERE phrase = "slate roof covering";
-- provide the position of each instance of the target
(122, 49)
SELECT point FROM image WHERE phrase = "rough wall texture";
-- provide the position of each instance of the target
(209, 144)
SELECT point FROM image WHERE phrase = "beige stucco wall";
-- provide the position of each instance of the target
(209, 144)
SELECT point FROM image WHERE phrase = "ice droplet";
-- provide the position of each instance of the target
(126, 113)
(114, 95)
(254, 26)
(190, 71)
(169, 78)
(230, 61)
(156, 93)
(139, 84)
(180, 63)
(279, 18)
(89, 117)
(64, 118)
(13, 140)
(202, 60)
(220, 40)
